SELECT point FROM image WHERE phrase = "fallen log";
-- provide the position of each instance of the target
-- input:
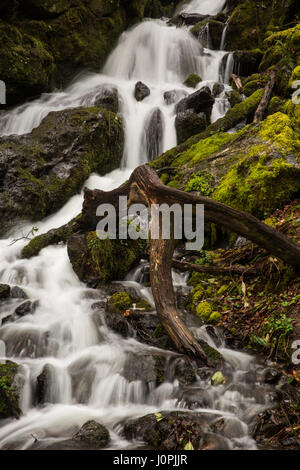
(145, 187)
(259, 114)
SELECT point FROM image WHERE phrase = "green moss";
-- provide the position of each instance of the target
(203, 149)
(103, 260)
(278, 130)
(192, 80)
(26, 66)
(204, 310)
(215, 317)
(121, 301)
(202, 182)
(257, 184)
(9, 396)
(295, 75)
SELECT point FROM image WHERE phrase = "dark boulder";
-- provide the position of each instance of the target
(4, 291)
(141, 91)
(173, 96)
(169, 430)
(218, 88)
(103, 96)
(200, 101)
(98, 261)
(18, 293)
(246, 63)
(188, 123)
(153, 134)
(92, 434)
(43, 384)
(25, 308)
(43, 169)
(158, 367)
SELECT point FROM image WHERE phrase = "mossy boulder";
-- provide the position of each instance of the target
(168, 430)
(98, 261)
(45, 43)
(93, 434)
(52, 237)
(9, 390)
(192, 80)
(121, 301)
(26, 66)
(204, 310)
(189, 123)
(43, 169)
(268, 175)
(249, 21)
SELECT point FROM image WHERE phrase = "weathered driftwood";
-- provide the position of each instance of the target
(259, 114)
(144, 186)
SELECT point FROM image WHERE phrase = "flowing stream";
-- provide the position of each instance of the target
(85, 358)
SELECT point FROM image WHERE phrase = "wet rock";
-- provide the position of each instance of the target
(209, 32)
(168, 430)
(246, 63)
(18, 293)
(122, 301)
(153, 134)
(4, 291)
(218, 88)
(200, 101)
(25, 308)
(271, 376)
(93, 434)
(10, 389)
(141, 91)
(173, 96)
(188, 19)
(158, 367)
(188, 123)
(43, 383)
(45, 168)
(103, 97)
(192, 80)
(98, 261)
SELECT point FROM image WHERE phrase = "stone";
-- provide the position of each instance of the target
(200, 101)
(93, 434)
(141, 91)
(188, 123)
(4, 291)
(173, 96)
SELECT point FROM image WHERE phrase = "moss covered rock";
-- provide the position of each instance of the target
(9, 390)
(121, 301)
(26, 66)
(46, 42)
(98, 261)
(192, 80)
(42, 170)
(93, 434)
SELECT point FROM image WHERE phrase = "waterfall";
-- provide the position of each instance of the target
(82, 359)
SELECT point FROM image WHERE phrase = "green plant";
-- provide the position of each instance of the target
(202, 182)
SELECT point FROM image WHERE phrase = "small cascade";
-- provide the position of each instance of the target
(72, 364)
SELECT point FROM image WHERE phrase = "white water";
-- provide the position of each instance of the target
(85, 359)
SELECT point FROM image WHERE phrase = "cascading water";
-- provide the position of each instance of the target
(84, 359)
